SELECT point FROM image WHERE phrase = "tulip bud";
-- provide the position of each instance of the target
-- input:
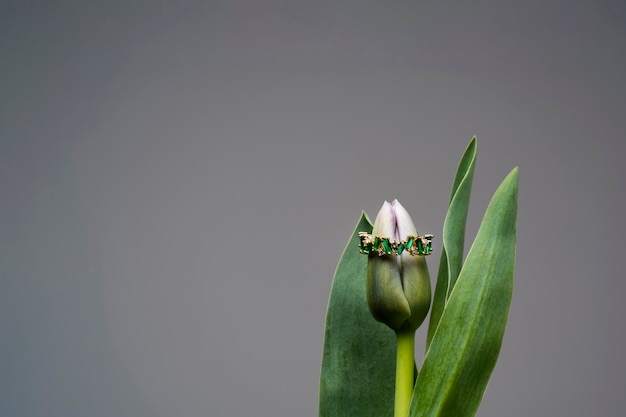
(398, 285)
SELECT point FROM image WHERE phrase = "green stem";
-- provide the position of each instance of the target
(405, 365)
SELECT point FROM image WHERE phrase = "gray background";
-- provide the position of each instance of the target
(178, 180)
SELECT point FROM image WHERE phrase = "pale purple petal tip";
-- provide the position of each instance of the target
(404, 223)
(385, 223)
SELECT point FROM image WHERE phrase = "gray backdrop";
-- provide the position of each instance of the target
(178, 180)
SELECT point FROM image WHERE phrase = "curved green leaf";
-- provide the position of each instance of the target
(358, 363)
(466, 344)
(453, 236)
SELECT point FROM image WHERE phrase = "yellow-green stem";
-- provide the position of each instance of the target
(405, 365)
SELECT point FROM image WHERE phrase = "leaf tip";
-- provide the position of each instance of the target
(513, 176)
(472, 145)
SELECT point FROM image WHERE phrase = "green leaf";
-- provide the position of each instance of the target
(453, 236)
(358, 363)
(466, 344)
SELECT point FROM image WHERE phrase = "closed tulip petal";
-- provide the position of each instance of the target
(398, 286)
(385, 223)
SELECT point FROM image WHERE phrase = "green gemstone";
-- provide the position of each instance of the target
(376, 245)
(428, 244)
(420, 247)
(400, 248)
(428, 248)
(386, 246)
(409, 243)
(365, 248)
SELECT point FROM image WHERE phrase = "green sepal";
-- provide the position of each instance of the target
(385, 293)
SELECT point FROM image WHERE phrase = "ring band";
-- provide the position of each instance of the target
(415, 245)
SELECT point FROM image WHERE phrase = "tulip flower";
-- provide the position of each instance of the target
(385, 285)
(398, 285)
(398, 288)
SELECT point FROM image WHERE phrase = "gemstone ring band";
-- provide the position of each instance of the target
(415, 245)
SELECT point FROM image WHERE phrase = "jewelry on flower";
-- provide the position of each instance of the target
(415, 245)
